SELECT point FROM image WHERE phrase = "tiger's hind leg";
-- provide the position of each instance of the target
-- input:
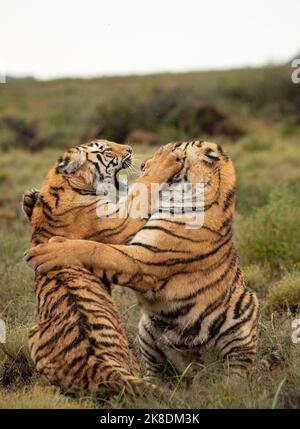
(33, 341)
(153, 356)
(236, 344)
(239, 353)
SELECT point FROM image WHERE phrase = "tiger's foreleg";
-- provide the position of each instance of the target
(129, 265)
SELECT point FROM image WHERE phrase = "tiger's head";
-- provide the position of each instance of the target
(95, 162)
(85, 167)
(205, 163)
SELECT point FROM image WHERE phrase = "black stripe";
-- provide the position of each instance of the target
(45, 204)
(74, 343)
(155, 249)
(216, 325)
(163, 325)
(237, 307)
(167, 280)
(55, 305)
(157, 350)
(63, 331)
(241, 350)
(209, 286)
(44, 327)
(229, 199)
(234, 340)
(232, 329)
(74, 362)
(245, 308)
(81, 207)
(174, 261)
(149, 346)
(168, 232)
(177, 312)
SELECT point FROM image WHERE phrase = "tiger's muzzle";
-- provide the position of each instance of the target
(127, 160)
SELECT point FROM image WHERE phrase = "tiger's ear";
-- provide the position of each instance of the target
(71, 161)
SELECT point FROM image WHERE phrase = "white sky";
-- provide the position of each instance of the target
(53, 38)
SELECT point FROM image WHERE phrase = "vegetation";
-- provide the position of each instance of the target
(255, 115)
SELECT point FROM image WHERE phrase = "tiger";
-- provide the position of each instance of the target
(79, 343)
(188, 281)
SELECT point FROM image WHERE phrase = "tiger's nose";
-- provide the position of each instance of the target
(128, 148)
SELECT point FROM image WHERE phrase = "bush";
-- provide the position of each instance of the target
(180, 109)
(285, 293)
(271, 93)
(25, 133)
(194, 118)
(116, 119)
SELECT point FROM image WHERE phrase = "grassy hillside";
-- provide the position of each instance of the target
(63, 112)
(263, 105)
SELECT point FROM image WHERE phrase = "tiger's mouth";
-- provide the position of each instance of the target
(126, 161)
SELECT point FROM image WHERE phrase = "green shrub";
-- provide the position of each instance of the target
(24, 133)
(181, 108)
(270, 234)
(116, 118)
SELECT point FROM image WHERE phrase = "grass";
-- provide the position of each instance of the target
(267, 230)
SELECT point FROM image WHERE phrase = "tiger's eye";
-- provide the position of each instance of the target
(211, 155)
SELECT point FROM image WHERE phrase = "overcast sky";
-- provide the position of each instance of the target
(53, 38)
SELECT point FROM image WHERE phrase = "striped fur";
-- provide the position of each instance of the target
(188, 282)
(78, 343)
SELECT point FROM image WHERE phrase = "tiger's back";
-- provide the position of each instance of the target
(78, 343)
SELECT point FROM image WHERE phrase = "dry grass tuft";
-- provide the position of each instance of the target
(285, 293)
